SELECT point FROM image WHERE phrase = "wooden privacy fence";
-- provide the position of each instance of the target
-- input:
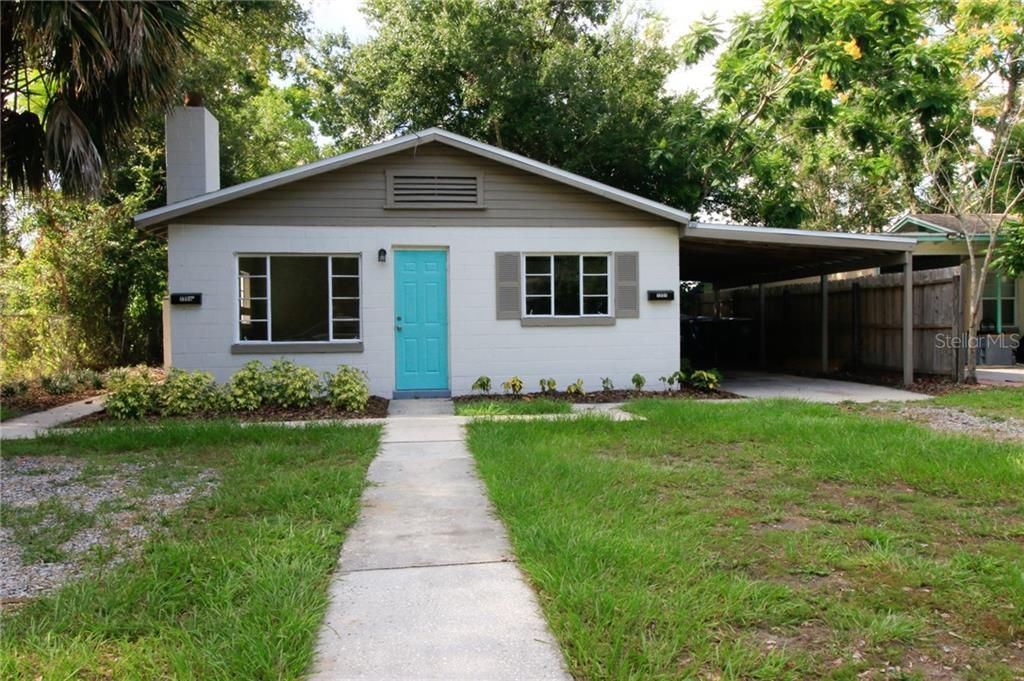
(865, 324)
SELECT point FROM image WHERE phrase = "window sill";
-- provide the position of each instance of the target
(296, 348)
(567, 321)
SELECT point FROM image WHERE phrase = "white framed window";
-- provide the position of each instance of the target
(566, 285)
(298, 298)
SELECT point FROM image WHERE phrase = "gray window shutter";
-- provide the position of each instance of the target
(506, 283)
(627, 285)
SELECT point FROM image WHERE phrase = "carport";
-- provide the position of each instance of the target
(731, 256)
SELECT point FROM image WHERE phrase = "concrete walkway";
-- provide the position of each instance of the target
(764, 385)
(427, 587)
(1009, 376)
(36, 424)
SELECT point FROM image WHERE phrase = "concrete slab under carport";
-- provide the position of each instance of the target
(763, 385)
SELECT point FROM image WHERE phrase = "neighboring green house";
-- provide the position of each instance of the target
(941, 243)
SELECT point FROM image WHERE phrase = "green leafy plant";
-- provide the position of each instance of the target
(347, 388)
(246, 388)
(607, 385)
(679, 378)
(639, 381)
(482, 385)
(58, 384)
(13, 388)
(705, 380)
(548, 385)
(287, 384)
(185, 393)
(88, 378)
(575, 388)
(133, 397)
(513, 385)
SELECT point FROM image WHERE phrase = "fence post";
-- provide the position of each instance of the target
(957, 330)
(855, 313)
(908, 319)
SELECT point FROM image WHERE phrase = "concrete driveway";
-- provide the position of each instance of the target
(756, 384)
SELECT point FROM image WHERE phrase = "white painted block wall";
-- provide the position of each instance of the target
(202, 259)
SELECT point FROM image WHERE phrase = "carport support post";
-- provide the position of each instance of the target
(762, 351)
(824, 323)
(908, 319)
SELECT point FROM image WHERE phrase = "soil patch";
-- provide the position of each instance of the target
(605, 396)
(35, 400)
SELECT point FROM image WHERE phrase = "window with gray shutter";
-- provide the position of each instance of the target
(627, 285)
(506, 279)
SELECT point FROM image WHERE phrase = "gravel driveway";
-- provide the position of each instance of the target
(951, 420)
(61, 517)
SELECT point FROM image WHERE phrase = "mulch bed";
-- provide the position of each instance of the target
(604, 396)
(35, 399)
(320, 411)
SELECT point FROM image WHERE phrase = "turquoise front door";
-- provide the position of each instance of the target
(421, 320)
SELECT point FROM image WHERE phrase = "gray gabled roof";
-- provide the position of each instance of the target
(943, 223)
(166, 214)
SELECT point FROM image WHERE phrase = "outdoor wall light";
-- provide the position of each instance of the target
(382, 255)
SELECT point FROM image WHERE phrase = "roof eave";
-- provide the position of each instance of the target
(798, 237)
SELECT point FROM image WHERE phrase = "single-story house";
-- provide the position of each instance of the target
(431, 259)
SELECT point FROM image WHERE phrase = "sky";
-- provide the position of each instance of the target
(336, 15)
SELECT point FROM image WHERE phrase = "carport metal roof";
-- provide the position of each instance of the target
(735, 255)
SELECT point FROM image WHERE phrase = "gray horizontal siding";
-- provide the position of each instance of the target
(355, 196)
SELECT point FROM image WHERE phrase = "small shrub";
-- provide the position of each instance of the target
(607, 385)
(13, 389)
(679, 378)
(286, 384)
(482, 384)
(246, 387)
(58, 384)
(575, 388)
(639, 381)
(88, 379)
(348, 389)
(513, 385)
(548, 385)
(185, 393)
(133, 397)
(705, 380)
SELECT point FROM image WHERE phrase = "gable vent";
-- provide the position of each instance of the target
(406, 190)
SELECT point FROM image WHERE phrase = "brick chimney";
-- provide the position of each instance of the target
(193, 150)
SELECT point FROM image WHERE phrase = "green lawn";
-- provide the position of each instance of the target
(993, 402)
(233, 587)
(765, 540)
(485, 407)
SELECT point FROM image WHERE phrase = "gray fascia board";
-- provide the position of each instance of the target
(796, 237)
(168, 213)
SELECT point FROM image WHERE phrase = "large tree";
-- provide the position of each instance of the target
(76, 77)
(575, 84)
(853, 89)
